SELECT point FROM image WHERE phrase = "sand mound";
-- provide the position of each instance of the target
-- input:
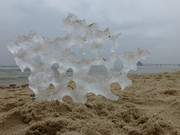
(150, 107)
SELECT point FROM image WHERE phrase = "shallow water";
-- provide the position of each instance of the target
(13, 75)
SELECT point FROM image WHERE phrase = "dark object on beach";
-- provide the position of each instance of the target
(24, 85)
(3, 87)
(12, 85)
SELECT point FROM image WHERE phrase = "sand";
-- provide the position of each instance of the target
(151, 106)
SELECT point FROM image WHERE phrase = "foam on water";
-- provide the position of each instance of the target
(85, 54)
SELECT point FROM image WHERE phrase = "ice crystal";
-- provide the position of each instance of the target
(84, 56)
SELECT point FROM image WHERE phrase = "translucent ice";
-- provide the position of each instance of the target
(85, 54)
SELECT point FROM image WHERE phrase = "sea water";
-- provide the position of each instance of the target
(13, 75)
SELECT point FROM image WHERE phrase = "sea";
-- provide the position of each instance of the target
(13, 75)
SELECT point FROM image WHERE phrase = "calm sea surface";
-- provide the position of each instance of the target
(13, 75)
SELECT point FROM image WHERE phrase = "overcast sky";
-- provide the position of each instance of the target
(150, 24)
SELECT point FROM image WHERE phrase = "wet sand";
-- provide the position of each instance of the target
(151, 106)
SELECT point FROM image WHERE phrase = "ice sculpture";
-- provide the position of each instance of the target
(85, 54)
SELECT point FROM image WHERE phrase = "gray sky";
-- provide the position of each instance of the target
(150, 24)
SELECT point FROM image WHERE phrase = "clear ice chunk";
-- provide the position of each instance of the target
(85, 54)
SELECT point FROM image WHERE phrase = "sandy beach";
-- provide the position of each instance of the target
(151, 106)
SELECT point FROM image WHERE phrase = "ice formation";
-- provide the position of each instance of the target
(85, 54)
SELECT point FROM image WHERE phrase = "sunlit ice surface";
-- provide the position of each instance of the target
(85, 57)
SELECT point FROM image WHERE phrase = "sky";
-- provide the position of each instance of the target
(148, 24)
